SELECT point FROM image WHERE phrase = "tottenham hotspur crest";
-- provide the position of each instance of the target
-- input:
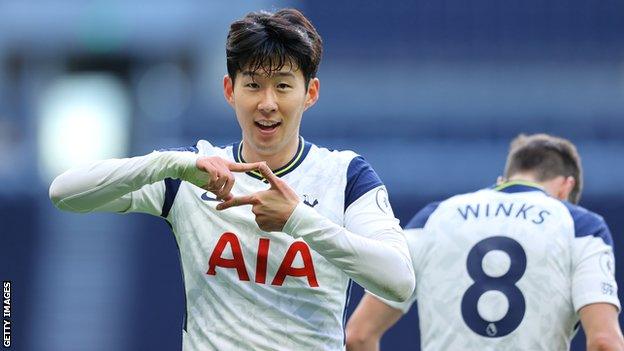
(382, 201)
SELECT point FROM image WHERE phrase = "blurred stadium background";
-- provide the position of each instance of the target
(430, 92)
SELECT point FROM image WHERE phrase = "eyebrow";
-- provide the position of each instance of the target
(279, 74)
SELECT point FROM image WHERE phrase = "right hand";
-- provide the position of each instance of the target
(216, 175)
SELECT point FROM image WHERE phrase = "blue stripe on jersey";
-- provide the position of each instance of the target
(361, 178)
(421, 218)
(576, 328)
(589, 223)
(172, 185)
(171, 189)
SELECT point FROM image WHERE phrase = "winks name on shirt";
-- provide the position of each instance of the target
(520, 210)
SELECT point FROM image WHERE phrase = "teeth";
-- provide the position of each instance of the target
(267, 123)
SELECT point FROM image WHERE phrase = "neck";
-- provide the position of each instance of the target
(273, 160)
(524, 177)
(558, 187)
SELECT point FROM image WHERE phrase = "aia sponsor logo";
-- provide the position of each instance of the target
(237, 262)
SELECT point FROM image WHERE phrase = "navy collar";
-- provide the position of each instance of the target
(518, 186)
(302, 151)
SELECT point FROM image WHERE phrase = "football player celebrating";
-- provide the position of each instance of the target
(276, 274)
(513, 267)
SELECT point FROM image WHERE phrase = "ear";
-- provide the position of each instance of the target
(313, 93)
(567, 187)
(228, 89)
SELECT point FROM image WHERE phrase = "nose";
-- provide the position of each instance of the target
(268, 101)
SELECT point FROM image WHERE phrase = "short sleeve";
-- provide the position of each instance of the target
(593, 277)
(372, 214)
(361, 178)
(367, 206)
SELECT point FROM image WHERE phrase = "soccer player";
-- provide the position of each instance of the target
(513, 267)
(274, 274)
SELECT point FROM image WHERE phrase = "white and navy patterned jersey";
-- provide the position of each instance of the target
(507, 269)
(251, 290)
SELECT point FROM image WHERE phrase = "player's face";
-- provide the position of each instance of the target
(269, 108)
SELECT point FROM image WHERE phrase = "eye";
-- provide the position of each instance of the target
(283, 86)
(252, 85)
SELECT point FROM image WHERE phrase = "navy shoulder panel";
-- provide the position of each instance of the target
(421, 218)
(172, 185)
(171, 190)
(589, 223)
(361, 178)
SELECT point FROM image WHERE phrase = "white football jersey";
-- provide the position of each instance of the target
(507, 269)
(251, 290)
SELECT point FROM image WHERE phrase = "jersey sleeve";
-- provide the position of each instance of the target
(149, 199)
(124, 185)
(157, 198)
(593, 262)
(367, 208)
(418, 246)
(370, 244)
(371, 217)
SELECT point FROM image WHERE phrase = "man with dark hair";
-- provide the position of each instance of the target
(512, 267)
(276, 274)
(547, 157)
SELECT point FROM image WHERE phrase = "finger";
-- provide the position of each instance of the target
(205, 165)
(213, 176)
(268, 174)
(209, 186)
(244, 167)
(238, 201)
(227, 187)
(220, 183)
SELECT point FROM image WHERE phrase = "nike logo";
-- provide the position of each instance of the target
(311, 204)
(205, 197)
(306, 200)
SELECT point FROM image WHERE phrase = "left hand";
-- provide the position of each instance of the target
(272, 207)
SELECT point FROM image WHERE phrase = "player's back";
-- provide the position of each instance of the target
(498, 269)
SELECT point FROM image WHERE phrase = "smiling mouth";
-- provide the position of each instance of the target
(267, 126)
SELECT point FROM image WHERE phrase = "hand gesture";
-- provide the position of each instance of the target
(272, 207)
(215, 175)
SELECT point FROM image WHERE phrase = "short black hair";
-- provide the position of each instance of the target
(547, 157)
(268, 41)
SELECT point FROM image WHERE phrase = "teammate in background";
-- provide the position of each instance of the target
(508, 268)
(276, 274)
